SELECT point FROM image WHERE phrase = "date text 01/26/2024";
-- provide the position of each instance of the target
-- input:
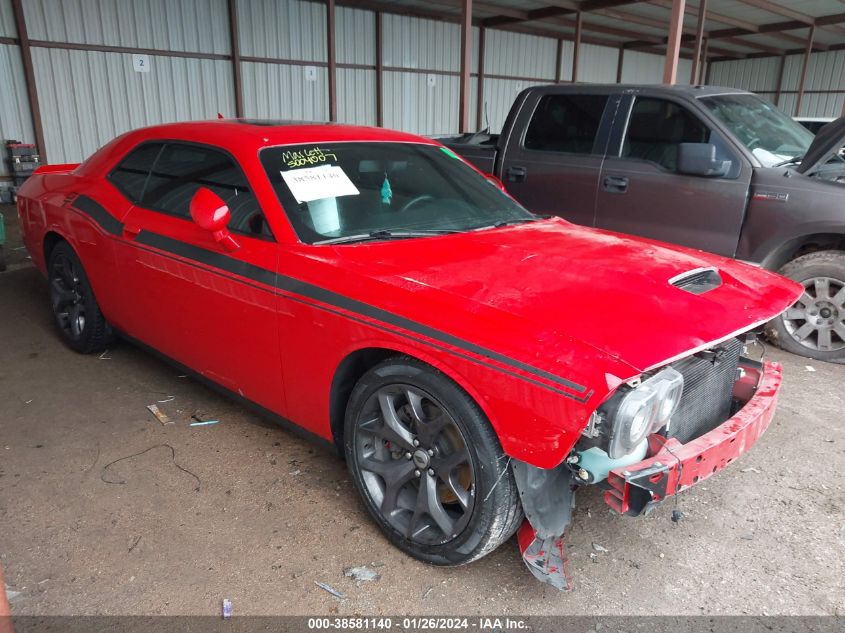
(412, 624)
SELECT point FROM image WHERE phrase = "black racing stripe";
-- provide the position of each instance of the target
(295, 286)
(204, 256)
(98, 213)
(317, 306)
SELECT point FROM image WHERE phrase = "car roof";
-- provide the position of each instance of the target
(269, 132)
(243, 136)
(691, 92)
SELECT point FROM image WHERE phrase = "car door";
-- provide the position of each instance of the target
(194, 301)
(554, 166)
(642, 192)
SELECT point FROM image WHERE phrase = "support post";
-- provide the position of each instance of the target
(699, 40)
(466, 62)
(579, 24)
(379, 70)
(780, 80)
(332, 59)
(673, 44)
(807, 52)
(236, 58)
(702, 75)
(29, 78)
(479, 106)
(558, 60)
(620, 62)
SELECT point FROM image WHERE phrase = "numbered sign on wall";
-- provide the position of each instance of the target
(141, 63)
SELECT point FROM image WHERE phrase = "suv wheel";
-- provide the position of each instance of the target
(815, 325)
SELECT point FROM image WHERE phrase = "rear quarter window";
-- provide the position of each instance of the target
(566, 123)
(130, 175)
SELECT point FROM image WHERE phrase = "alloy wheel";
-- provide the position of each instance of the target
(817, 320)
(414, 463)
(67, 296)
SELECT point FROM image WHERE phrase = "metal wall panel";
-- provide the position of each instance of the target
(15, 120)
(412, 105)
(87, 98)
(419, 43)
(282, 29)
(597, 64)
(756, 75)
(822, 105)
(356, 36)
(280, 91)
(499, 94)
(519, 55)
(7, 19)
(187, 25)
(826, 71)
(567, 52)
(356, 96)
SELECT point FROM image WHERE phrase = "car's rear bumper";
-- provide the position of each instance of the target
(672, 466)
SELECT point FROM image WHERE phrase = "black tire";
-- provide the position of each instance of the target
(71, 297)
(483, 504)
(815, 325)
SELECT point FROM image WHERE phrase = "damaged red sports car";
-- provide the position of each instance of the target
(474, 363)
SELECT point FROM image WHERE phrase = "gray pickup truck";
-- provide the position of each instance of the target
(717, 169)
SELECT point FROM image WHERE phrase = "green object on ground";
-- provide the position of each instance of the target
(2, 230)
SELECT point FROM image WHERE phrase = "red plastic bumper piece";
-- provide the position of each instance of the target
(672, 466)
(546, 558)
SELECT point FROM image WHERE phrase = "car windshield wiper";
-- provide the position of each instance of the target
(502, 223)
(384, 235)
(790, 161)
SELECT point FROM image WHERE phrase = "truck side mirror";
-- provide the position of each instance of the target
(212, 214)
(699, 159)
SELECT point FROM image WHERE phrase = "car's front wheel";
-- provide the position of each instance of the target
(428, 465)
(815, 325)
(75, 310)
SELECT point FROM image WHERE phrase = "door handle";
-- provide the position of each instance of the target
(516, 174)
(615, 184)
(131, 231)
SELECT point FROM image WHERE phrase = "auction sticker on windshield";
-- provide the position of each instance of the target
(316, 183)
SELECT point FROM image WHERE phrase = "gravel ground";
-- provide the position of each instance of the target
(251, 513)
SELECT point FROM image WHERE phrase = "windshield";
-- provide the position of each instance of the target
(340, 191)
(767, 132)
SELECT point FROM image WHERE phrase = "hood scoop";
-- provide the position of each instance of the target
(697, 281)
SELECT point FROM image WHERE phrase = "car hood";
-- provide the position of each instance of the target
(828, 142)
(555, 295)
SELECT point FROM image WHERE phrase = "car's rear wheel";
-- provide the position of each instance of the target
(428, 465)
(815, 325)
(78, 318)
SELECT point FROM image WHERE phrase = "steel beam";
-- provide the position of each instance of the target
(673, 46)
(466, 62)
(807, 52)
(29, 78)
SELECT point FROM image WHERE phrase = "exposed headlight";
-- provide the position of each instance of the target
(644, 410)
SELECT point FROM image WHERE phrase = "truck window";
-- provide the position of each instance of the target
(655, 129)
(565, 123)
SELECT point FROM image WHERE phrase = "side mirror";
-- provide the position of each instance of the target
(699, 159)
(498, 183)
(212, 214)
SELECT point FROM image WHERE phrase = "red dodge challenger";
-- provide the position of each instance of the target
(475, 363)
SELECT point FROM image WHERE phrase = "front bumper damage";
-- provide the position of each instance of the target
(669, 468)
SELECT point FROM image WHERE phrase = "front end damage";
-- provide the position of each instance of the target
(726, 404)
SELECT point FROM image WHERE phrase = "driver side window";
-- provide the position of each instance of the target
(657, 127)
(181, 169)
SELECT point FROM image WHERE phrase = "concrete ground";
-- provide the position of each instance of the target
(249, 512)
